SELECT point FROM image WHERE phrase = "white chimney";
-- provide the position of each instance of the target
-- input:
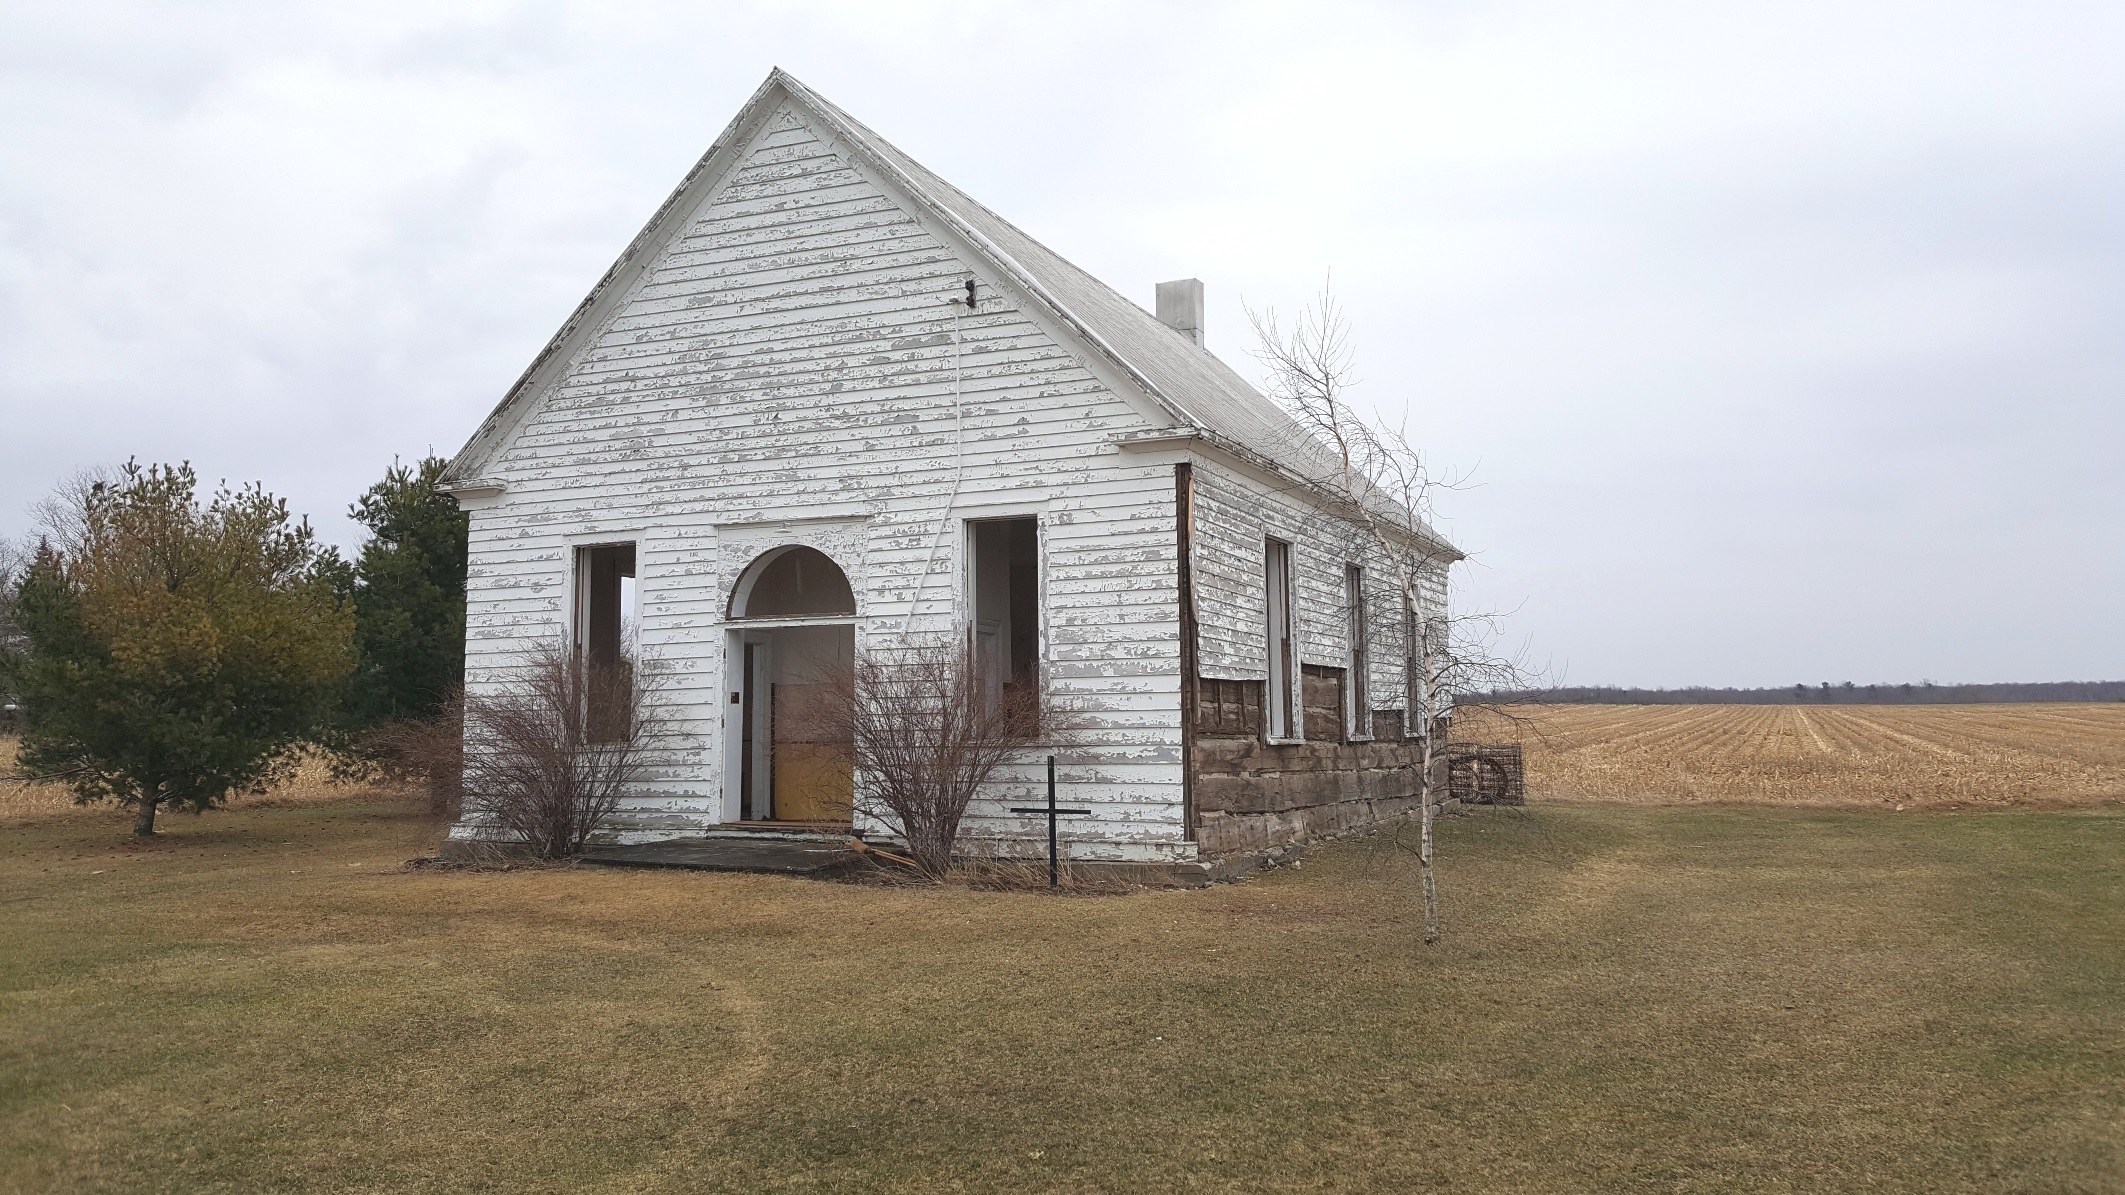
(1180, 307)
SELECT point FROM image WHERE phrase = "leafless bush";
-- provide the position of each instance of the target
(927, 730)
(425, 751)
(551, 753)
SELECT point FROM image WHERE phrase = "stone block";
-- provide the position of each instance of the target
(1218, 793)
(1223, 755)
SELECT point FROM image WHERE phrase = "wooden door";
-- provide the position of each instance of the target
(814, 776)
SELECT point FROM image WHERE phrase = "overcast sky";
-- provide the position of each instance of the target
(1782, 340)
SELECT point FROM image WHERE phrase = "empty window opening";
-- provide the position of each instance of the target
(794, 582)
(1006, 603)
(1412, 664)
(1425, 640)
(605, 604)
(1283, 665)
(605, 634)
(1360, 702)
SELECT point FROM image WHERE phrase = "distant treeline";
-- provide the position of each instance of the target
(1923, 693)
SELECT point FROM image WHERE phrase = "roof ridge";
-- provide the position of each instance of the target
(1250, 417)
(1185, 380)
(910, 174)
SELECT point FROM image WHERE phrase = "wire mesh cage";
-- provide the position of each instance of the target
(1486, 774)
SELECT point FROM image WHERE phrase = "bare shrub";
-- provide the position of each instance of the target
(549, 755)
(429, 752)
(926, 731)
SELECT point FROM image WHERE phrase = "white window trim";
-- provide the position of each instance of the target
(1293, 693)
(964, 600)
(576, 612)
(1357, 613)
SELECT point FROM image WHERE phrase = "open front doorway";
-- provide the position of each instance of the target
(792, 645)
(795, 763)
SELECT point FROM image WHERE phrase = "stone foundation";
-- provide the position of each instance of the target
(1253, 796)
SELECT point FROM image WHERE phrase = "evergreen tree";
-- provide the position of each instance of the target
(407, 586)
(174, 654)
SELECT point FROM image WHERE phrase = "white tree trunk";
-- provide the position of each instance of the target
(1425, 796)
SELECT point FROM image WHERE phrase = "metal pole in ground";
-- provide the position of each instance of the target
(1054, 853)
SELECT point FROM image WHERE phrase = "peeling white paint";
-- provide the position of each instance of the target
(787, 365)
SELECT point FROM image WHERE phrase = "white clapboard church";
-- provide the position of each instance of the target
(825, 397)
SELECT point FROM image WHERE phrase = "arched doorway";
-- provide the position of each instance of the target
(792, 642)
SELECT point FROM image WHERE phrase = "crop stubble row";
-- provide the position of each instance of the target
(1914, 756)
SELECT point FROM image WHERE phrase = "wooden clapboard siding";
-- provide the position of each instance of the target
(791, 354)
(778, 359)
(1233, 515)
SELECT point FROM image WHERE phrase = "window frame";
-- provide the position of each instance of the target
(1358, 654)
(1284, 693)
(970, 596)
(627, 608)
(580, 582)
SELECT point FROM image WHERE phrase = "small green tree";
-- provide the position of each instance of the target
(407, 586)
(175, 654)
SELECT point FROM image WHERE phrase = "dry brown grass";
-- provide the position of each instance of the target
(1741, 1000)
(1941, 756)
(312, 784)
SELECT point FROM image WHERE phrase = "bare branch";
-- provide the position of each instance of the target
(426, 751)
(926, 730)
(551, 753)
(1377, 495)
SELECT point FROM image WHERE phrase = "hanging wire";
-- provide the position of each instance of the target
(957, 307)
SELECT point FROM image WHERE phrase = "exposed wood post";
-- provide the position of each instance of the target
(1191, 696)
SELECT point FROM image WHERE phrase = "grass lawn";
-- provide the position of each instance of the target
(1629, 998)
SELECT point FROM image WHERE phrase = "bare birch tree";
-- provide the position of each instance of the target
(1374, 484)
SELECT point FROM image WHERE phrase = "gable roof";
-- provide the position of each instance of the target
(1190, 380)
(1203, 395)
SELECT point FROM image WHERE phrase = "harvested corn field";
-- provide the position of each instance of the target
(1954, 756)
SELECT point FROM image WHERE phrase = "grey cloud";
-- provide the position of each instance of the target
(1782, 340)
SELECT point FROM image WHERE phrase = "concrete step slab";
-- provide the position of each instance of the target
(782, 856)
